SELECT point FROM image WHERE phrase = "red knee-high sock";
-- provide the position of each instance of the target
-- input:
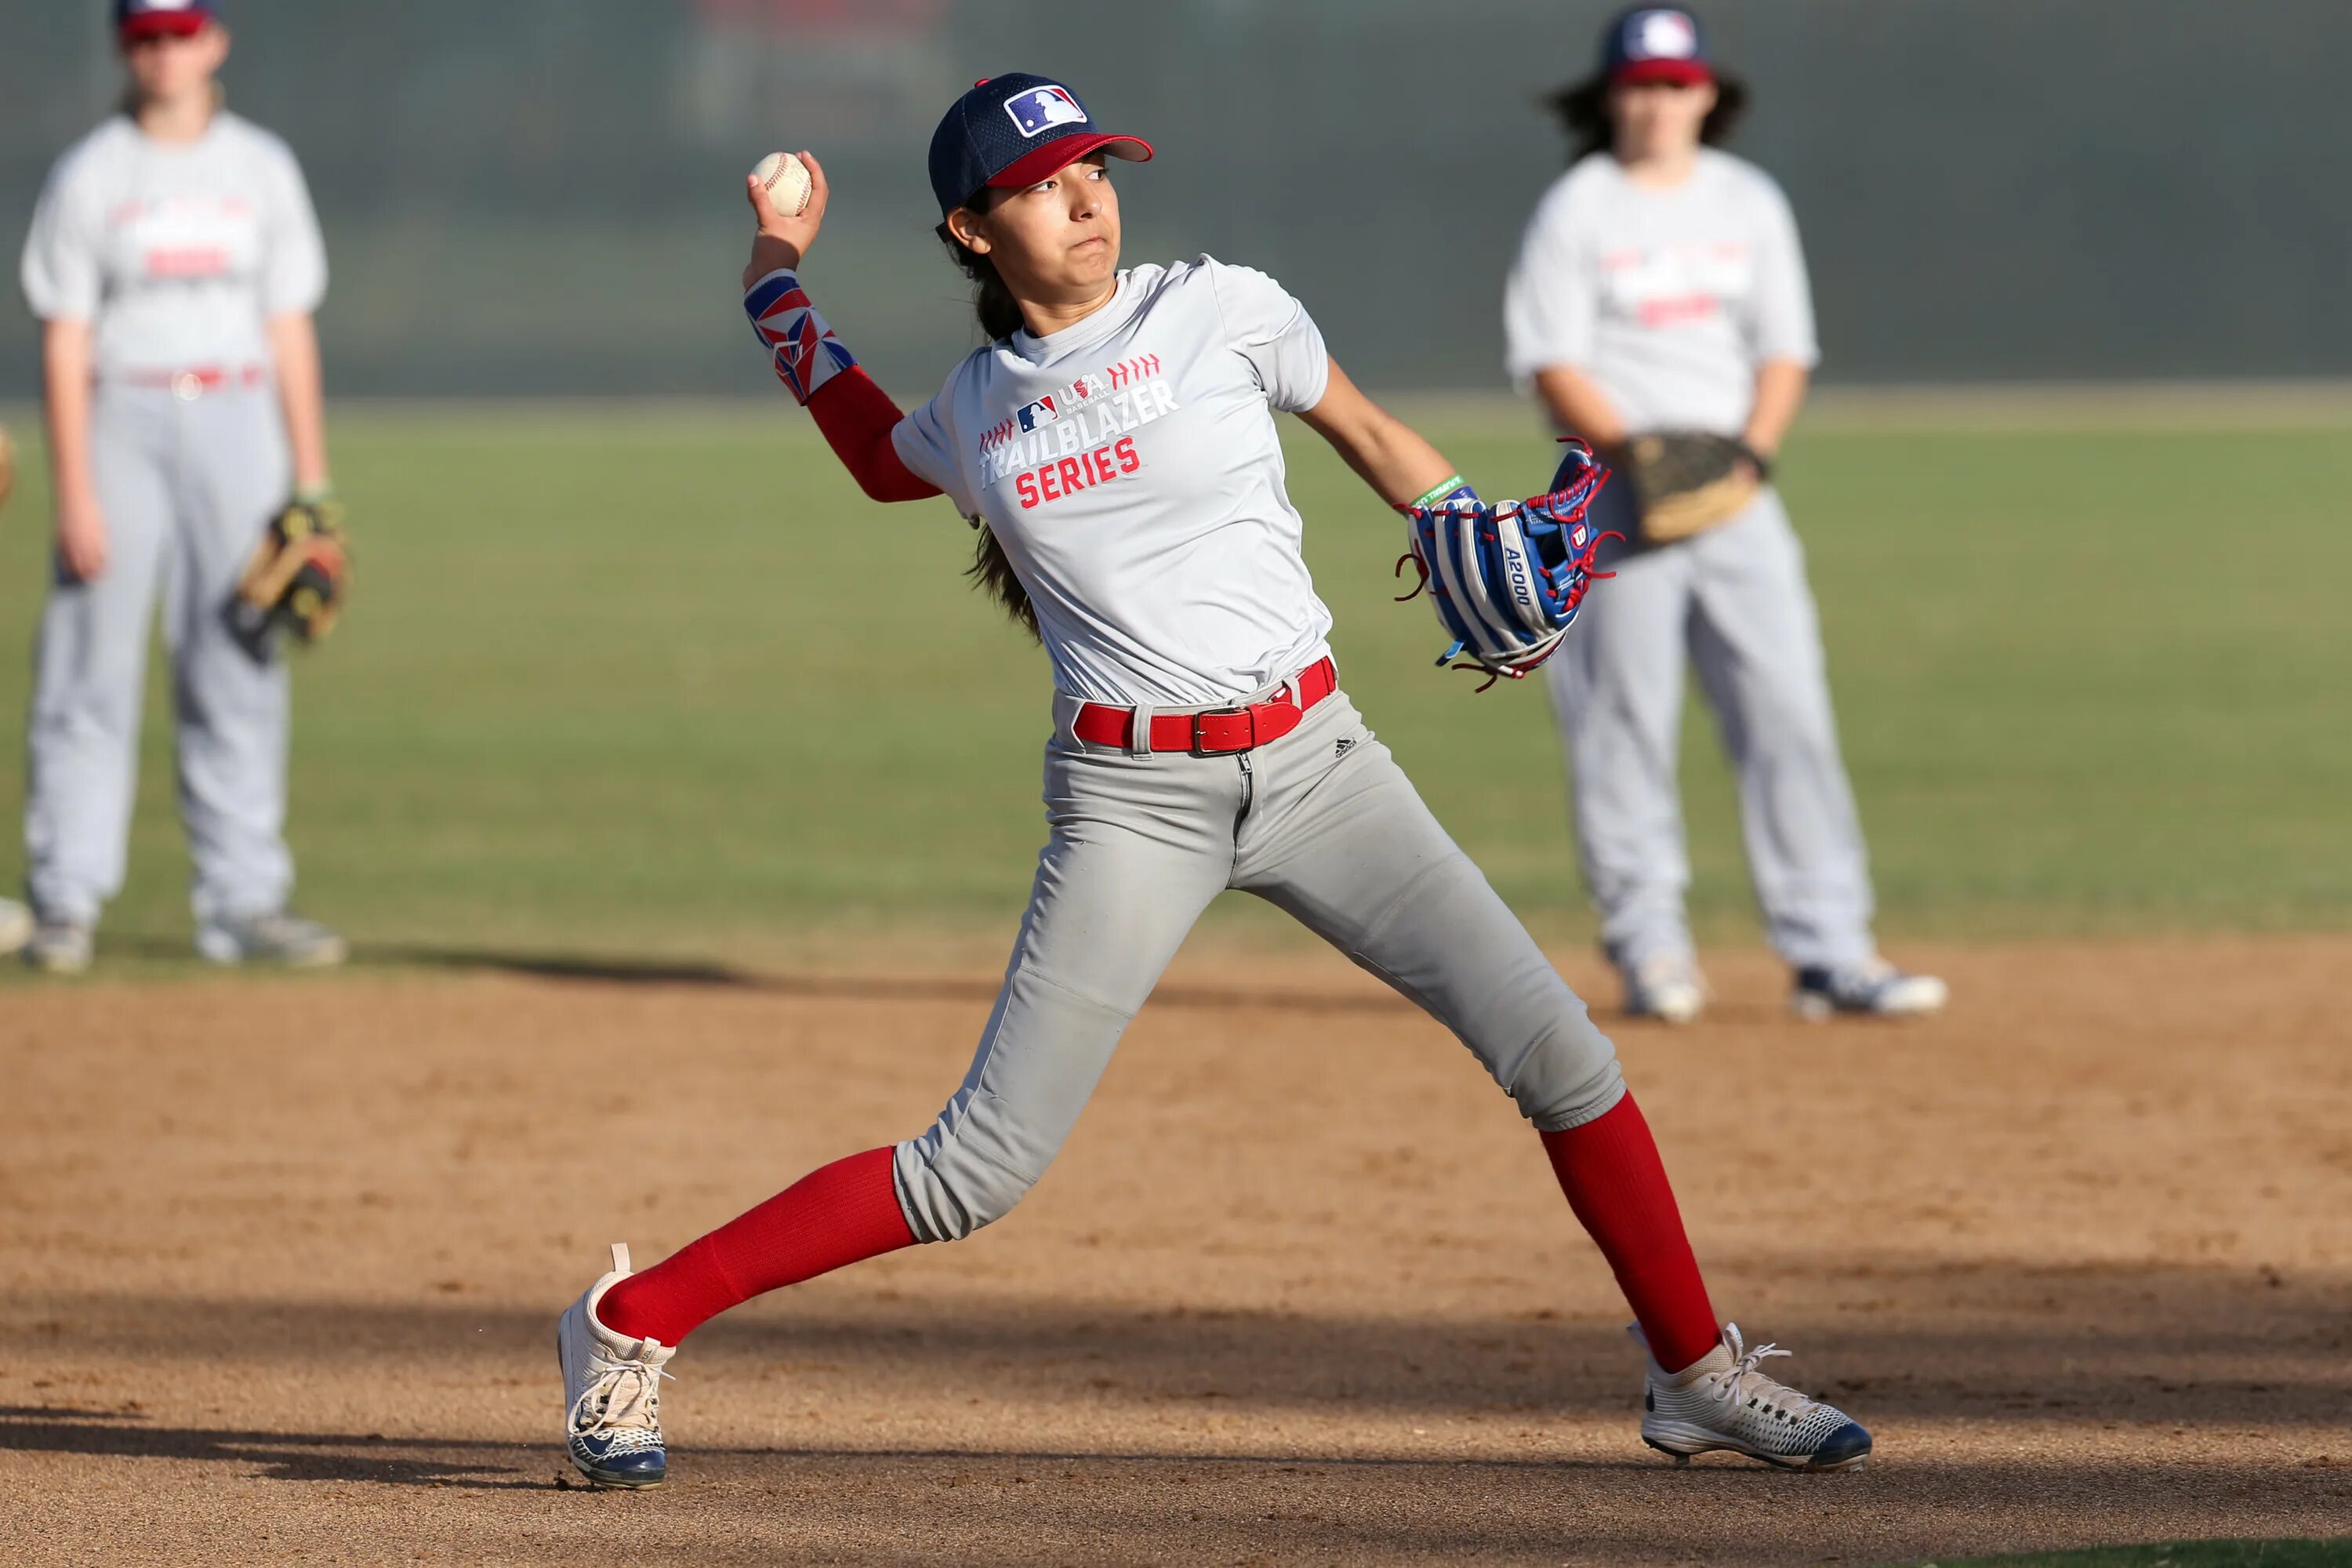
(832, 1216)
(1617, 1184)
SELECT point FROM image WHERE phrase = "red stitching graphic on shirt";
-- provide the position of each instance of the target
(1134, 369)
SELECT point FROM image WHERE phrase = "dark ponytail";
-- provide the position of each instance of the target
(1582, 108)
(1000, 317)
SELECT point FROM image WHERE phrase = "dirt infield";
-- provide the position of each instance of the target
(279, 1264)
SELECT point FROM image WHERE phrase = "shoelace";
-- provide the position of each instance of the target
(1729, 1385)
(609, 1407)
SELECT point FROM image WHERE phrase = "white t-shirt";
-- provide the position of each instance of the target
(1668, 299)
(178, 251)
(1130, 468)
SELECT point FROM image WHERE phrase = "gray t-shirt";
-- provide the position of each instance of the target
(177, 251)
(1668, 299)
(1130, 468)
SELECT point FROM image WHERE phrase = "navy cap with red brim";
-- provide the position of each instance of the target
(1648, 73)
(153, 19)
(1014, 130)
(1044, 163)
(1646, 44)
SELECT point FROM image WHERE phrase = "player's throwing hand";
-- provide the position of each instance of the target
(782, 240)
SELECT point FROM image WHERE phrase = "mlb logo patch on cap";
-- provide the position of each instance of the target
(1662, 36)
(1038, 109)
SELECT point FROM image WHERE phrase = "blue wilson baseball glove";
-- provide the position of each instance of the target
(1507, 576)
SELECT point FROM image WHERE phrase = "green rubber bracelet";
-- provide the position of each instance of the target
(1439, 492)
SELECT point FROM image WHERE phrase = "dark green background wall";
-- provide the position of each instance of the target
(541, 196)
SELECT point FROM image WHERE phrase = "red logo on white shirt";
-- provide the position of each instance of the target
(1061, 479)
(1674, 285)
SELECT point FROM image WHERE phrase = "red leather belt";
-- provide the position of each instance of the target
(196, 380)
(1220, 732)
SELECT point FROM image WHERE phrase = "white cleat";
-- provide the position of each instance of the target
(16, 927)
(611, 1392)
(287, 940)
(1722, 1404)
(1666, 987)
(61, 947)
(1876, 990)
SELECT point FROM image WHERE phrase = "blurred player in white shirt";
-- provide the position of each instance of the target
(175, 263)
(1661, 286)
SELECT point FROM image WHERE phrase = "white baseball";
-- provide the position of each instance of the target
(787, 180)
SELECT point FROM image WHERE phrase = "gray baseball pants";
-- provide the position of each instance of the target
(1321, 823)
(188, 487)
(1734, 604)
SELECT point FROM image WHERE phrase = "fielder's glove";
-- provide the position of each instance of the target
(1506, 577)
(1688, 481)
(297, 579)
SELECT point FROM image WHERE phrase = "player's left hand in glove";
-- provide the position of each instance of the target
(296, 580)
(1688, 481)
(1506, 577)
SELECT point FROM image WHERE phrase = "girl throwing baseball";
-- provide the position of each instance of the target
(175, 263)
(1116, 439)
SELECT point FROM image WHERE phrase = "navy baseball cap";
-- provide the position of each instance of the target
(1655, 43)
(1014, 131)
(145, 18)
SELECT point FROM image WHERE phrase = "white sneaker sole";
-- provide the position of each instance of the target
(1674, 1014)
(57, 961)
(1679, 1440)
(1916, 998)
(213, 947)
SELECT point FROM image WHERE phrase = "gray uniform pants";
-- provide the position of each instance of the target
(187, 486)
(1734, 602)
(1321, 823)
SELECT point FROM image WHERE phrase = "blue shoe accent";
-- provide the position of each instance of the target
(1850, 1444)
(622, 1460)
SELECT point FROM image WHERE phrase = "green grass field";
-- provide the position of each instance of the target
(661, 683)
(2177, 1555)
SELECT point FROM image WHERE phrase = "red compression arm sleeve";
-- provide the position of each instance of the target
(858, 417)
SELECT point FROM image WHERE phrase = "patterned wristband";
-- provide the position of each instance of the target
(799, 343)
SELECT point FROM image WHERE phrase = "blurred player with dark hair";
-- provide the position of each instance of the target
(175, 263)
(1661, 292)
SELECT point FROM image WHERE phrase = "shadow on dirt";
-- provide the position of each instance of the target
(591, 969)
(2140, 1344)
(271, 1456)
(170, 956)
(1073, 1503)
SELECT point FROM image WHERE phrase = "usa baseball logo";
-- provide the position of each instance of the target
(1040, 108)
